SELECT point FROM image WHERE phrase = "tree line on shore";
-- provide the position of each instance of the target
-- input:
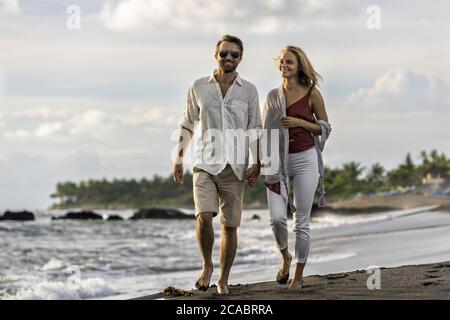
(342, 182)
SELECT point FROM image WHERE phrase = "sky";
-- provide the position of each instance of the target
(95, 89)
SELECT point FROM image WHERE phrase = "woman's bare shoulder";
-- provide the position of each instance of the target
(315, 94)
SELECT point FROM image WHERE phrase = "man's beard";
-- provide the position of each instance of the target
(228, 68)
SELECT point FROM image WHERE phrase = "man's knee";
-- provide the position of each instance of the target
(205, 218)
(229, 230)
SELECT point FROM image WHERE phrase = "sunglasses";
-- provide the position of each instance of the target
(234, 54)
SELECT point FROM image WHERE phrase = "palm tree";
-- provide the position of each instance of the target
(351, 171)
(376, 176)
(405, 174)
(435, 164)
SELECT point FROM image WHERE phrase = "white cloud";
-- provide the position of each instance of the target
(17, 134)
(91, 122)
(267, 25)
(40, 112)
(402, 91)
(133, 13)
(44, 130)
(154, 116)
(2, 82)
(92, 118)
(10, 6)
(47, 129)
(403, 111)
(98, 124)
(255, 16)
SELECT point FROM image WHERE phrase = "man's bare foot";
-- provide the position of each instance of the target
(222, 288)
(283, 273)
(204, 280)
(296, 285)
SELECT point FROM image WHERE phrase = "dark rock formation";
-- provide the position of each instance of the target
(80, 215)
(256, 217)
(114, 217)
(18, 216)
(160, 213)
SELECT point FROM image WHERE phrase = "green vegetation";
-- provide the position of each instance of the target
(342, 182)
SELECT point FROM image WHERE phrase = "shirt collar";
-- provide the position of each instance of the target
(238, 79)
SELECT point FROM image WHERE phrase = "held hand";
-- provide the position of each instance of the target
(252, 175)
(178, 173)
(291, 122)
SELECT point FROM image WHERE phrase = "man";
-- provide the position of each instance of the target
(220, 104)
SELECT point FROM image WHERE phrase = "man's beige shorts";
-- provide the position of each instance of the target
(224, 190)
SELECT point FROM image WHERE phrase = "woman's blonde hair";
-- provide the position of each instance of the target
(307, 76)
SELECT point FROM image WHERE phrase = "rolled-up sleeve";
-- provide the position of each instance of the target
(254, 124)
(191, 112)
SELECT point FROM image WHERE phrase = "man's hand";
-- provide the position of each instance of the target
(178, 172)
(252, 175)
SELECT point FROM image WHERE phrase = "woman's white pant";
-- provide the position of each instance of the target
(303, 170)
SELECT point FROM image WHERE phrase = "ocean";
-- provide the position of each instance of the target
(67, 259)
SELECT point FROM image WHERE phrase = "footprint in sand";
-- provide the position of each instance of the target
(428, 283)
(337, 276)
(440, 266)
(432, 271)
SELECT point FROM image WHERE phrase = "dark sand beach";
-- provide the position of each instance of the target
(428, 281)
(410, 246)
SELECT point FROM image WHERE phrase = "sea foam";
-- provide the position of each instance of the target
(57, 290)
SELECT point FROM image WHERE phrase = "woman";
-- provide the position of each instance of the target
(297, 110)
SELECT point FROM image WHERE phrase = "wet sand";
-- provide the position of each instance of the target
(409, 245)
(428, 281)
(366, 204)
